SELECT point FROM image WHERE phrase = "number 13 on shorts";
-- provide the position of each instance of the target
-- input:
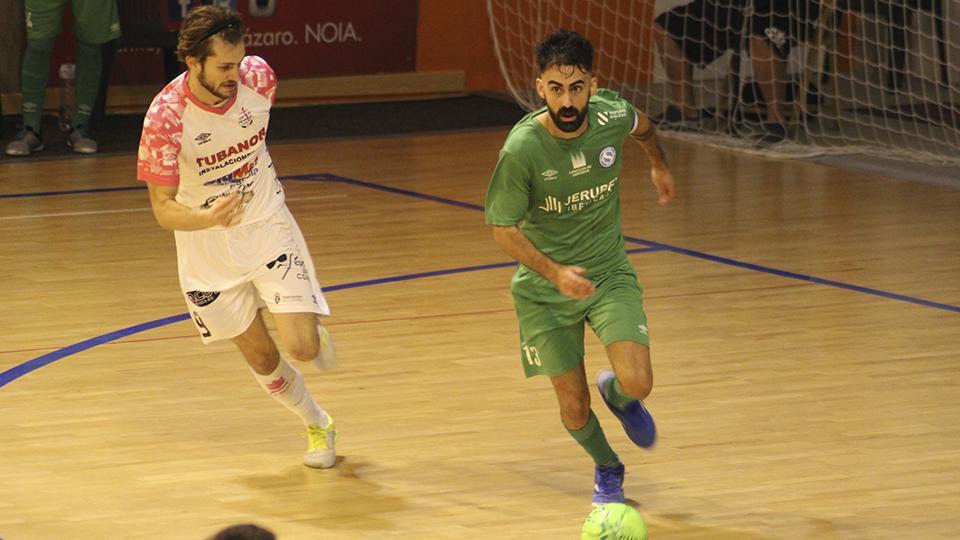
(533, 356)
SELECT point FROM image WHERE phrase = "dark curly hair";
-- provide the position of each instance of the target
(565, 48)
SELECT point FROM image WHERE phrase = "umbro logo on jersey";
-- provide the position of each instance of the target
(203, 138)
(602, 119)
(549, 175)
(245, 118)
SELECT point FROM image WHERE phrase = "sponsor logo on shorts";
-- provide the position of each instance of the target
(643, 329)
(202, 298)
(278, 261)
(277, 299)
(287, 262)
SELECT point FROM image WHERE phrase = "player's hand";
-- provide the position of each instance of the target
(226, 211)
(572, 282)
(662, 178)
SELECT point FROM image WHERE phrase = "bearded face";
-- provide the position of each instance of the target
(567, 91)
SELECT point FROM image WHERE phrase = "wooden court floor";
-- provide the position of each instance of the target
(806, 343)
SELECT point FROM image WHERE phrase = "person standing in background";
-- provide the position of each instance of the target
(95, 23)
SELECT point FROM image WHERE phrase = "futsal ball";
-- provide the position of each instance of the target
(614, 521)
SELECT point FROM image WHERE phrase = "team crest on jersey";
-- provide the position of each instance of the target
(608, 156)
(245, 118)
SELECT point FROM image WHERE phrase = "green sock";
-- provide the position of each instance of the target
(616, 396)
(89, 66)
(592, 439)
(34, 76)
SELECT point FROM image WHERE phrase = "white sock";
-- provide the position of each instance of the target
(286, 385)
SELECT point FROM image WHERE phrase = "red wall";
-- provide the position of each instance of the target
(455, 35)
(451, 35)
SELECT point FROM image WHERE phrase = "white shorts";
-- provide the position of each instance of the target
(228, 275)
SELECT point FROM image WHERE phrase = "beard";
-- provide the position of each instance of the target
(569, 126)
(223, 91)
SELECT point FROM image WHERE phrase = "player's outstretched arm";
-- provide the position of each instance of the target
(174, 216)
(646, 136)
(570, 280)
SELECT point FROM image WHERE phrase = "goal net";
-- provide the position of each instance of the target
(877, 77)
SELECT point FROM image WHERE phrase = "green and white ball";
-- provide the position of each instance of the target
(614, 521)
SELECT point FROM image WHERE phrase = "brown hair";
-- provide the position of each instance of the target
(203, 23)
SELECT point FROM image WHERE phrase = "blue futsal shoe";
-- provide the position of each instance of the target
(636, 420)
(608, 484)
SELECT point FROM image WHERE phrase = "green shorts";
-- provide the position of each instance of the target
(552, 325)
(94, 21)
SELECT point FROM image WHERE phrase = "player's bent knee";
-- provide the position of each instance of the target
(638, 387)
(304, 350)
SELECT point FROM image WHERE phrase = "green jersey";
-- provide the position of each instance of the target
(564, 194)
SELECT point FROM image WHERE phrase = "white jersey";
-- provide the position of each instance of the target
(228, 273)
(211, 152)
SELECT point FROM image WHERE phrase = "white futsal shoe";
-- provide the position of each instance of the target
(321, 453)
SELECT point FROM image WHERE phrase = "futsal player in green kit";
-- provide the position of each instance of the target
(554, 204)
(95, 22)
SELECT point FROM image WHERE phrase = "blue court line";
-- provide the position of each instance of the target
(398, 191)
(68, 192)
(801, 277)
(18, 371)
(447, 272)
(31, 365)
(675, 249)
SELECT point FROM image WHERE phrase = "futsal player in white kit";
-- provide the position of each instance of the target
(211, 180)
